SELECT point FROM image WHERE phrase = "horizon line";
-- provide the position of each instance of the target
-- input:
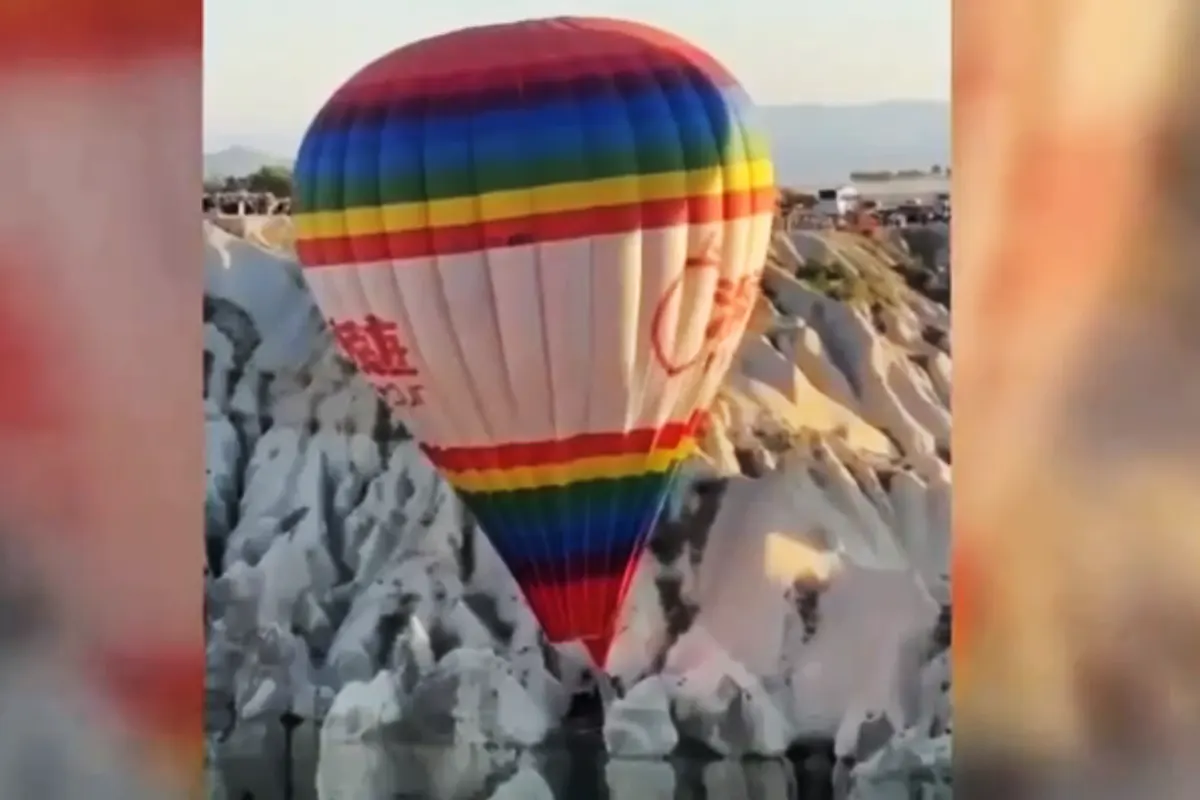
(789, 104)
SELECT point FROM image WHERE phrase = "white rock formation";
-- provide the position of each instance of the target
(789, 593)
(640, 724)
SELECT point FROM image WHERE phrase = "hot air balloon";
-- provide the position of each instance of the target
(541, 243)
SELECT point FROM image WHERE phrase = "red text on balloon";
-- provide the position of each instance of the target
(403, 397)
(374, 346)
(733, 301)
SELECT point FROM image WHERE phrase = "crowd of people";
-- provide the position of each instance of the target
(243, 203)
(868, 216)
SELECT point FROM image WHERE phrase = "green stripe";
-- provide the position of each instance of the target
(327, 192)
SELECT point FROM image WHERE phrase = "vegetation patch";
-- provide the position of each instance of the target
(865, 282)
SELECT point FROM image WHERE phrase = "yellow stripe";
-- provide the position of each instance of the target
(585, 469)
(548, 199)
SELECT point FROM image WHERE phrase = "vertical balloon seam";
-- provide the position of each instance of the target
(432, 378)
(356, 278)
(737, 266)
(447, 411)
(701, 310)
(718, 138)
(627, 559)
(409, 421)
(441, 273)
(680, 398)
(728, 268)
(502, 504)
(733, 267)
(636, 390)
(341, 155)
(742, 256)
(644, 535)
(626, 563)
(565, 512)
(603, 510)
(609, 512)
(477, 399)
(313, 152)
(321, 147)
(330, 153)
(545, 535)
(596, 528)
(670, 401)
(350, 280)
(599, 515)
(372, 150)
(646, 519)
(562, 511)
(354, 294)
(753, 253)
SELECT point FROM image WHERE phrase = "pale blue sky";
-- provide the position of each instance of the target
(269, 65)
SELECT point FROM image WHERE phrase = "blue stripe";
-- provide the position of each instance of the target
(609, 549)
(686, 117)
(556, 543)
(567, 540)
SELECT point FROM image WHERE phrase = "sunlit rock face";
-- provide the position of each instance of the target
(791, 593)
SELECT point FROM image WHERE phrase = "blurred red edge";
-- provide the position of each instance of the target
(159, 691)
(38, 32)
(965, 593)
(36, 407)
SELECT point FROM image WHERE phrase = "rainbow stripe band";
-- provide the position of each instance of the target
(516, 134)
(572, 549)
(385, 244)
(576, 458)
(569, 517)
(572, 508)
(575, 139)
(583, 530)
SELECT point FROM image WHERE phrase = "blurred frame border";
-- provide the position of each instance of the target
(101, 452)
(1077, 419)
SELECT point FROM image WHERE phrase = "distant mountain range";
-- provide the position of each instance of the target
(812, 145)
(238, 161)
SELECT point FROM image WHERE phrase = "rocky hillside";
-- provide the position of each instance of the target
(794, 593)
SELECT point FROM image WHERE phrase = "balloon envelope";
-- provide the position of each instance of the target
(541, 243)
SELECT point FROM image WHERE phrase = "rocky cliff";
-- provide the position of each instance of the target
(795, 593)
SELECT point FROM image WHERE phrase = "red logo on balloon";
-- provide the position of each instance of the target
(375, 348)
(733, 301)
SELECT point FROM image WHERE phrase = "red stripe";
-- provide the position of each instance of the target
(964, 590)
(559, 226)
(585, 445)
(28, 402)
(109, 31)
(161, 693)
(476, 59)
(584, 609)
